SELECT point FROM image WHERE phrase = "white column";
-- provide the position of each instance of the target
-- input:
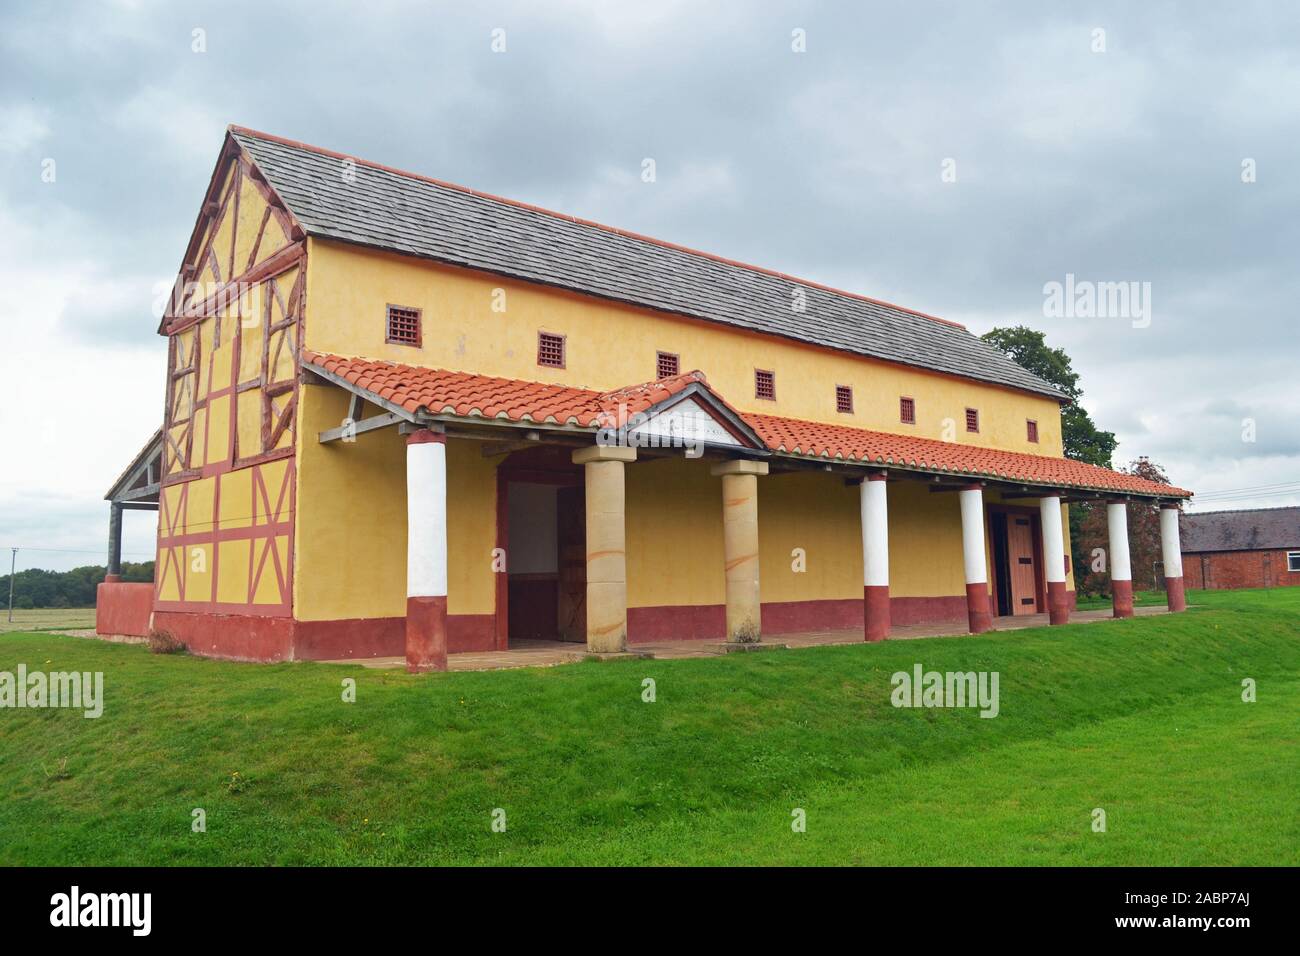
(1171, 551)
(1121, 568)
(1170, 548)
(972, 536)
(426, 518)
(1049, 514)
(875, 534)
(875, 557)
(974, 560)
(1049, 511)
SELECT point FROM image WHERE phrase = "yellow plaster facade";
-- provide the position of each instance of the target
(610, 345)
(351, 519)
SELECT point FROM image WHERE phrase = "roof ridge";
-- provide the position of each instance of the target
(1238, 511)
(627, 234)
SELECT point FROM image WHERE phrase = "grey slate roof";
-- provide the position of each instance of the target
(1253, 529)
(406, 214)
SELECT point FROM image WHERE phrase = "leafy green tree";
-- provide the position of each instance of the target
(36, 587)
(1082, 439)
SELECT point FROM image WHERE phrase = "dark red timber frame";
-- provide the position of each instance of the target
(275, 506)
(1000, 512)
(546, 468)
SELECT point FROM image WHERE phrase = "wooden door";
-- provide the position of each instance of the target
(1021, 571)
(571, 530)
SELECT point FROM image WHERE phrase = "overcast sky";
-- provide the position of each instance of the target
(1117, 165)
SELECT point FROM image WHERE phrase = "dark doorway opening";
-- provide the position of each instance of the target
(1018, 582)
(541, 529)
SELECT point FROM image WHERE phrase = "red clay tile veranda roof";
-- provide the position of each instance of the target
(465, 395)
(484, 396)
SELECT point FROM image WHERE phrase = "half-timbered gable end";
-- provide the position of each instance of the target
(233, 324)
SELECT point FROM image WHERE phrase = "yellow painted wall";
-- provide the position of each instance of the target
(674, 533)
(674, 537)
(610, 345)
(351, 527)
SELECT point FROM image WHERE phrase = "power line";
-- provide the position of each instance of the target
(1280, 486)
(1281, 492)
(134, 554)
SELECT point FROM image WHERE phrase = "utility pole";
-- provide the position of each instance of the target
(13, 559)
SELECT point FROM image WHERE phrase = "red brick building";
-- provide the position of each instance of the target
(1256, 548)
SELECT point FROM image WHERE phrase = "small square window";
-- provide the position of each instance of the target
(1031, 427)
(972, 419)
(550, 350)
(765, 384)
(403, 326)
(667, 365)
(844, 399)
(907, 411)
(1293, 560)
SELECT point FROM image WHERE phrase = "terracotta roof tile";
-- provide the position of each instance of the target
(473, 396)
(841, 442)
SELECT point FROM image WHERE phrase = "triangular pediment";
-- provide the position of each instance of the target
(242, 229)
(695, 415)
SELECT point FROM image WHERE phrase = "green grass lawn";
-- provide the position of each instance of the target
(48, 619)
(1141, 718)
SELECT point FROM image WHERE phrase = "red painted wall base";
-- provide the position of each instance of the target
(243, 637)
(253, 638)
(1122, 598)
(123, 609)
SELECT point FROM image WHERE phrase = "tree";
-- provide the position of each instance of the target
(1081, 439)
(35, 587)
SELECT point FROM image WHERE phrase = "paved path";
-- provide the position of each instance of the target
(551, 653)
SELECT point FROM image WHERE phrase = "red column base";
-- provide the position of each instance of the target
(1058, 603)
(1177, 597)
(1122, 598)
(977, 608)
(875, 606)
(112, 579)
(426, 634)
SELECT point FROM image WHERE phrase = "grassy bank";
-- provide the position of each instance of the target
(1140, 718)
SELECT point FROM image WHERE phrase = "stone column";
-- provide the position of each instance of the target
(426, 551)
(1058, 600)
(875, 557)
(606, 546)
(740, 548)
(1172, 552)
(114, 571)
(1121, 569)
(974, 559)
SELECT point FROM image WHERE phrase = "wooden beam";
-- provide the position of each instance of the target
(494, 448)
(358, 427)
(136, 493)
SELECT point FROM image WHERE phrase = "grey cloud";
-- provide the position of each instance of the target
(1115, 166)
